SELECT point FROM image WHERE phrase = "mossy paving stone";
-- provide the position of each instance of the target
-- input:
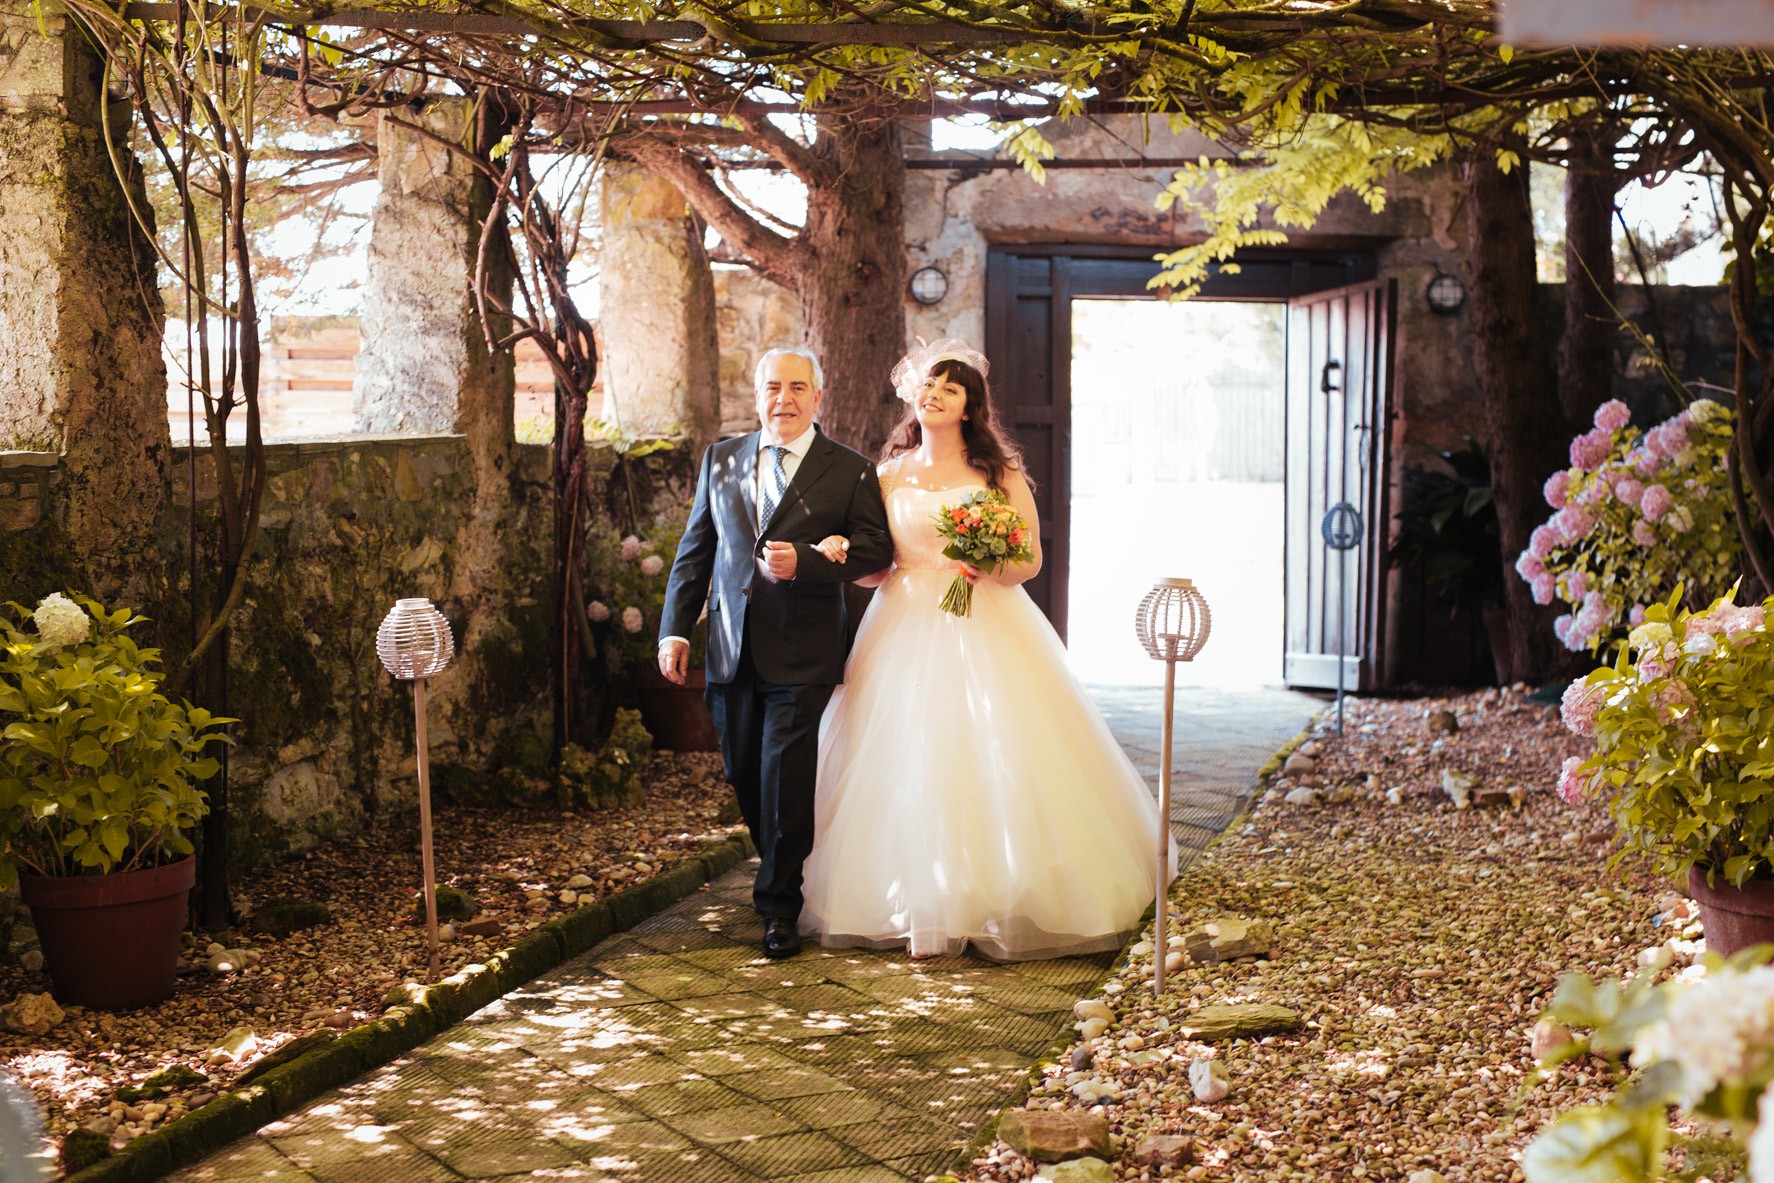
(820, 996)
(913, 1036)
(1017, 993)
(917, 1166)
(675, 984)
(485, 1149)
(687, 940)
(724, 957)
(361, 1154)
(873, 1173)
(737, 1005)
(732, 1058)
(832, 1111)
(780, 1084)
(582, 1118)
(793, 1154)
(252, 1158)
(977, 1062)
(885, 1140)
(621, 1076)
(682, 1096)
(733, 1123)
(777, 975)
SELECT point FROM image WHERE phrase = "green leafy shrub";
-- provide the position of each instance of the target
(613, 775)
(1684, 739)
(98, 769)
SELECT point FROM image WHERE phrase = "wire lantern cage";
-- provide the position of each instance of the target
(414, 642)
(1172, 624)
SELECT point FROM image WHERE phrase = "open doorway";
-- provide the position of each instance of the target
(1178, 465)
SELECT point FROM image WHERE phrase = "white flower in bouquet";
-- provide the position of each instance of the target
(652, 565)
(60, 621)
(631, 549)
(632, 620)
(597, 611)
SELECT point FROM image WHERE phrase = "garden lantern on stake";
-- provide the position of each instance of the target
(415, 643)
(1172, 624)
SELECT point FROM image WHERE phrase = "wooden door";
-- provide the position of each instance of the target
(1339, 382)
(1029, 343)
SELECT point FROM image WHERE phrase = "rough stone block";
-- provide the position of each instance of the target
(1054, 1135)
(1239, 1020)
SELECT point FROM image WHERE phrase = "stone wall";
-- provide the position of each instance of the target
(326, 735)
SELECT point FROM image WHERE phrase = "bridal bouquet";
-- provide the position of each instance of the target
(985, 532)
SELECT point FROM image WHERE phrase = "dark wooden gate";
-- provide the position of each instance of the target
(1339, 388)
(1029, 294)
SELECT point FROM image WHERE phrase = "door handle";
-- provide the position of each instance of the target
(1325, 384)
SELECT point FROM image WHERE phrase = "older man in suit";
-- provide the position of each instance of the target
(777, 635)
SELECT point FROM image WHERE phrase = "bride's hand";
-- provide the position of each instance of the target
(836, 548)
(974, 574)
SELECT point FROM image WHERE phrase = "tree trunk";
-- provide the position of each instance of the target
(1586, 363)
(1522, 418)
(852, 283)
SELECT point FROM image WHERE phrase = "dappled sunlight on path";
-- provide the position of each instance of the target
(676, 1052)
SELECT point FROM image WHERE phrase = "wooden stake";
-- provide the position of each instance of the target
(1160, 925)
(425, 826)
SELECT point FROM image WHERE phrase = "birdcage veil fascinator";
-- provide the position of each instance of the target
(911, 370)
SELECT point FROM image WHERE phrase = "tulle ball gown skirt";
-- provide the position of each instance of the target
(970, 793)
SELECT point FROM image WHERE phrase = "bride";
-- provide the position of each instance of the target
(969, 791)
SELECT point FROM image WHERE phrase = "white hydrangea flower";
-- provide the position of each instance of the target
(598, 611)
(60, 621)
(1705, 410)
(1720, 1029)
(652, 565)
(1649, 635)
(1761, 1143)
(632, 620)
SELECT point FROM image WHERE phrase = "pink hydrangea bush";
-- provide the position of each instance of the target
(1682, 733)
(1634, 516)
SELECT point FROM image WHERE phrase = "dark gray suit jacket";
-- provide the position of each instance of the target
(798, 634)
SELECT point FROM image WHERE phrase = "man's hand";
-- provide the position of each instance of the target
(835, 548)
(780, 559)
(674, 661)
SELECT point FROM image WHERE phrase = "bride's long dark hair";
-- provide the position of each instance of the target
(989, 451)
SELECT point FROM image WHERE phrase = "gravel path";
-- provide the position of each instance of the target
(1417, 941)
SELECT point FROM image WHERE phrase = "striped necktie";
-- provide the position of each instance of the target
(775, 484)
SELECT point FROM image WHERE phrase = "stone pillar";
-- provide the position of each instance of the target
(424, 368)
(656, 311)
(81, 322)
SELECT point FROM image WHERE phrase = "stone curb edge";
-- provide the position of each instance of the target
(438, 1007)
(988, 1132)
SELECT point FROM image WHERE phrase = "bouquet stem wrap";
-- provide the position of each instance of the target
(984, 531)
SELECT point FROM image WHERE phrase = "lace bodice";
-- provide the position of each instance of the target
(910, 510)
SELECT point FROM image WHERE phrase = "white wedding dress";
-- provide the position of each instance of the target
(969, 791)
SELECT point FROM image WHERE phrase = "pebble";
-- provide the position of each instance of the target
(1090, 1008)
(224, 963)
(568, 897)
(31, 1014)
(1210, 1080)
(1545, 1038)
(31, 960)
(579, 882)
(1302, 796)
(1083, 1056)
(1091, 1028)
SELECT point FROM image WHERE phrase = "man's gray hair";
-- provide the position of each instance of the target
(757, 374)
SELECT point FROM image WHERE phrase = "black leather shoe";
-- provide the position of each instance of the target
(780, 939)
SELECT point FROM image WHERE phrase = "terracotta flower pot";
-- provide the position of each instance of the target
(111, 942)
(1734, 917)
(677, 715)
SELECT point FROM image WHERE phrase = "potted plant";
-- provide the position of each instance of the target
(98, 791)
(1684, 753)
(629, 575)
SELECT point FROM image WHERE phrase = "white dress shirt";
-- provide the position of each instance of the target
(761, 472)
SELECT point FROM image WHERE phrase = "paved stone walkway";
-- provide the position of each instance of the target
(676, 1053)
